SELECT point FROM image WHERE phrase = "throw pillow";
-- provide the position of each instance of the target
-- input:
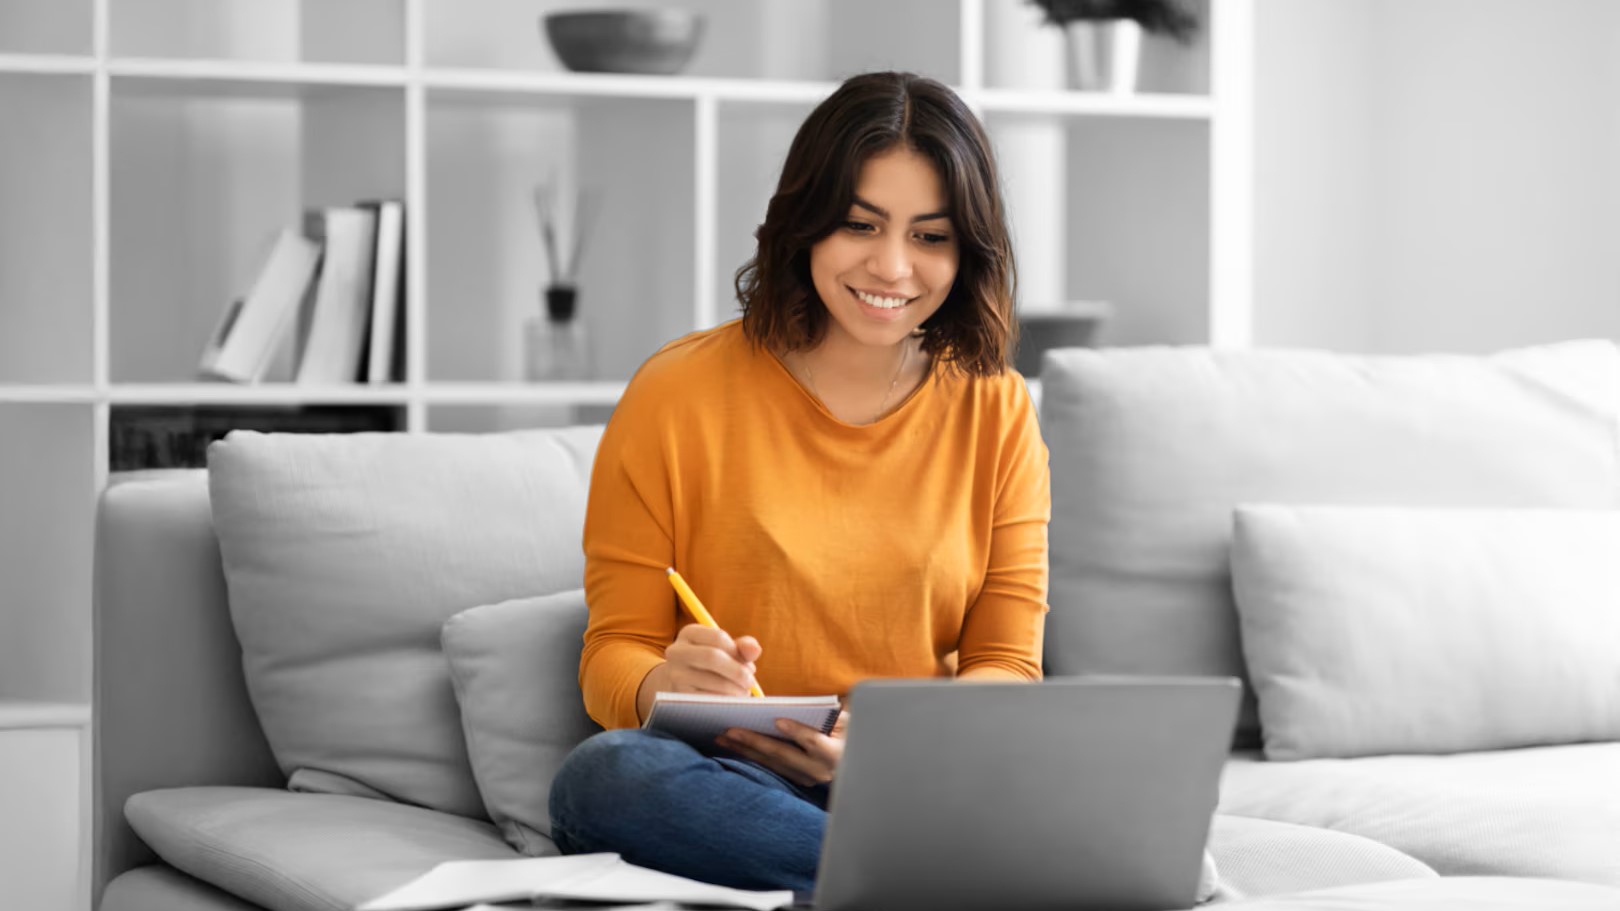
(1152, 448)
(515, 666)
(344, 554)
(1388, 630)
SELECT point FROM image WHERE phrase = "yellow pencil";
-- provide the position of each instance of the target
(699, 612)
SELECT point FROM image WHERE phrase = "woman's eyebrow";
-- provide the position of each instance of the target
(884, 215)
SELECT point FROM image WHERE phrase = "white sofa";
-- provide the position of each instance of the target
(329, 663)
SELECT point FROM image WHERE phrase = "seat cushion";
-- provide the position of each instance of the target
(345, 553)
(1542, 811)
(288, 851)
(1257, 857)
(163, 888)
(1152, 448)
(1463, 893)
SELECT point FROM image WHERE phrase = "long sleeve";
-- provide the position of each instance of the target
(1002, 633)
(629, 535)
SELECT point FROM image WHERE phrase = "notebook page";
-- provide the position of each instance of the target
(698, 718)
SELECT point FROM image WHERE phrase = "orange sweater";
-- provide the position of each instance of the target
(849, 551)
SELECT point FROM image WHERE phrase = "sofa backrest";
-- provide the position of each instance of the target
(1153, 448)
(171, 708)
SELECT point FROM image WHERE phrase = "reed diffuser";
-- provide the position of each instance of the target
(556, 342)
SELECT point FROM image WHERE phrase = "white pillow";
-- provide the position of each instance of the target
(345, 553)
(515, 666)
(1390, 630)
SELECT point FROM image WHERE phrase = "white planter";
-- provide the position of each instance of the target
(1104, 54)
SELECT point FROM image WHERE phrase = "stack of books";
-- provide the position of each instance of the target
(330, 295)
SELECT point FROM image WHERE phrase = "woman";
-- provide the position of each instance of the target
(850, 476)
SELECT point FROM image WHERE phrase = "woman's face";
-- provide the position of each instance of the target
(890, 265)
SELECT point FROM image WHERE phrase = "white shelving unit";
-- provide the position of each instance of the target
(175, 137)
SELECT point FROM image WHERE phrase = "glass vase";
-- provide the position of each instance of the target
(556, 345)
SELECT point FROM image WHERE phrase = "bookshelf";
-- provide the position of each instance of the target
(170, 140)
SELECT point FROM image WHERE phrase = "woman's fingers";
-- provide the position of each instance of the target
(809, 758)
(785, 759)
(708, 661)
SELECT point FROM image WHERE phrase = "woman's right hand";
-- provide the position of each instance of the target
(704, 660)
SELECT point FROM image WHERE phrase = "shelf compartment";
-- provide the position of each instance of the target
(177, 436)
(1042, 62)
(47, 27)
(47, 265)
(803, 40)
(1133, 228)
(200, 186)
(753, 144)
(315, 31)
(486, 268)
(48, 485)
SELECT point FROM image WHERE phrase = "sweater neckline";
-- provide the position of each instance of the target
(930, 377)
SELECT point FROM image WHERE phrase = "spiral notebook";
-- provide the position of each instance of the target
(699, 718)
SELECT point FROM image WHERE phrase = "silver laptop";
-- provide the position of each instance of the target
(1073, 793)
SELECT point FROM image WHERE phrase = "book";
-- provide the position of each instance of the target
(250, 332)
(597, 878)
(698, 718)
(342, 299)
(387, 290)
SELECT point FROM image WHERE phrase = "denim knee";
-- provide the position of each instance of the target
(607, 770)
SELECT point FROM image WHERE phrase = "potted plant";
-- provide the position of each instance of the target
(1105, 36)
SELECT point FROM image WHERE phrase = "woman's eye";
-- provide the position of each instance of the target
(931, 239)
(859, 227)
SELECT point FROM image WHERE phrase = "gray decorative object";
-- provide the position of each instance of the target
(652, 41)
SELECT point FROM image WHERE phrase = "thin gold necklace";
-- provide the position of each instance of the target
(905, 355)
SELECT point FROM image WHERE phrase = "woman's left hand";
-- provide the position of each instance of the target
(809, 758)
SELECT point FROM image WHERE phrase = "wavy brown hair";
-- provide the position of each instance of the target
(974, 330)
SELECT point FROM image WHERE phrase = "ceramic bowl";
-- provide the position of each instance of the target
(656, 41)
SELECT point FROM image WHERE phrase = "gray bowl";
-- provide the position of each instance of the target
(659, 42)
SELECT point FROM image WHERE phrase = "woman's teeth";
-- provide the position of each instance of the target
(887, 303)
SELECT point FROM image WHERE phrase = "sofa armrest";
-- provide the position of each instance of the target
(171, 707)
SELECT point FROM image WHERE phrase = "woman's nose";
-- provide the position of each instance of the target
(891, 260)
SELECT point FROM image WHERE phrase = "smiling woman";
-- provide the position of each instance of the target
(851, 474)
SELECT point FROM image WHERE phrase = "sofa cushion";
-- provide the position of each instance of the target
(1462, 893)
(303, 852)
(1265, 857)
(515, 666)
(1152, 448)
(1541, 811)
(1385, 630)
(345, 554)
(159, 887)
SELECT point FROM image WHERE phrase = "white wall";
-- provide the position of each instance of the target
(1436, 174)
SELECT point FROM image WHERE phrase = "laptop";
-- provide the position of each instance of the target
(1072, 793)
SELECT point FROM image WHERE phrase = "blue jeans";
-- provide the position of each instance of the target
(660, 803)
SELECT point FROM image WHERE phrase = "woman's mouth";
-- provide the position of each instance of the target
(880, 302)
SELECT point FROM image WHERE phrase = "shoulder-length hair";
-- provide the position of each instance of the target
(974, 330)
